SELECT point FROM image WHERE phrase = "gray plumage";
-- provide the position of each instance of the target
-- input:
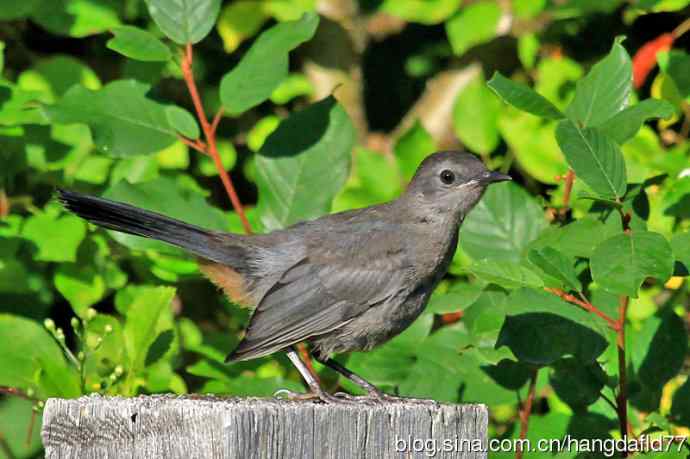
(345, 282)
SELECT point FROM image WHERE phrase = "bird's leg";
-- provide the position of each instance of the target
(373, 392)
(315, 389)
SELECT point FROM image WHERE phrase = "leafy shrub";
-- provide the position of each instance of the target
(565, 309)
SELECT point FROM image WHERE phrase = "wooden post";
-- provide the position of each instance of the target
(166, 426)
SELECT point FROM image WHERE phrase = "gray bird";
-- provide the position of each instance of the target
(343, 282)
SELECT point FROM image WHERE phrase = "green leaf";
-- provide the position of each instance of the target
(164, 196)
(473, 24)
(10, 10)
(541, 328)
(505, 274)
(577, 239)
(376, 179)
(123, 121)
(14, 276)
(138, 44)
(77, 18)
(159, 347)
(556, 265)
(508, 373)
(659, 349)
(182, 121)
(412, 147)
(595, 158)
(309, 151)
(81, 285)
(56, 74)
(620, 264)
(31, 359)
(680, 243)
(184, 21)
(604, 91)
(293, 86)
(528, 49)
(437, 357)
(390, 363)
(57, 238)
(422, 11)
(239, 21)
(577, 384)
(523, 97)
(534, 145)
(457, 298)
(141, 320)
(94, 169)
(680, 409)
(265, 65)
(475, 116)
(676, 64)
(624, 125)
(16, 414)
(502, 224)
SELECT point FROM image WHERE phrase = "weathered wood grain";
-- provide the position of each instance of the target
(208, 427)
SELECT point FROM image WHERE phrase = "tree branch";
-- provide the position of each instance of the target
(584, 304)
(526, 412)
(209, 134)
(622, 397)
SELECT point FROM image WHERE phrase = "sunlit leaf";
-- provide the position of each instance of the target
(621, 263)
(265, 65)
(595, 158)
(604, 91)
(309, 151)
(138, 44)
(184, 21)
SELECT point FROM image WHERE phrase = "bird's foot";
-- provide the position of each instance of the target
(377, 396)
(320, 395)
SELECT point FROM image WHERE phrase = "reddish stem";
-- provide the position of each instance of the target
(526, 412)
(586, 305)
(210, 135)
(216, 119)
(16, 392)
(569, 179)
(4, 204)
(622, 398)
(195, 144)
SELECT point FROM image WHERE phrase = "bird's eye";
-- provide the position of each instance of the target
(447, 176)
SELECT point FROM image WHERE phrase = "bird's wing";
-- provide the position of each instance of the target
(342, 275)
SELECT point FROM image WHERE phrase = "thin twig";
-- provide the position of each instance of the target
(526, 412)
(195, 144)
(5, 447)
(17, 393)
(681, 29)
(188, 75)
(584, 304)
(216, 119)
(569, 179)
(622, 397)
(30, 429)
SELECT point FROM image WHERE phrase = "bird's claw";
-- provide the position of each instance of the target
(323, 396)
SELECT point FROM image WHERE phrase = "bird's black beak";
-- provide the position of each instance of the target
(493, 176)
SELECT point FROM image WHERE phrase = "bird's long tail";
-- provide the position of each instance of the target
(125, 218)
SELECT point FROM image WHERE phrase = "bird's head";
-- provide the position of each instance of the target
(452, 182)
